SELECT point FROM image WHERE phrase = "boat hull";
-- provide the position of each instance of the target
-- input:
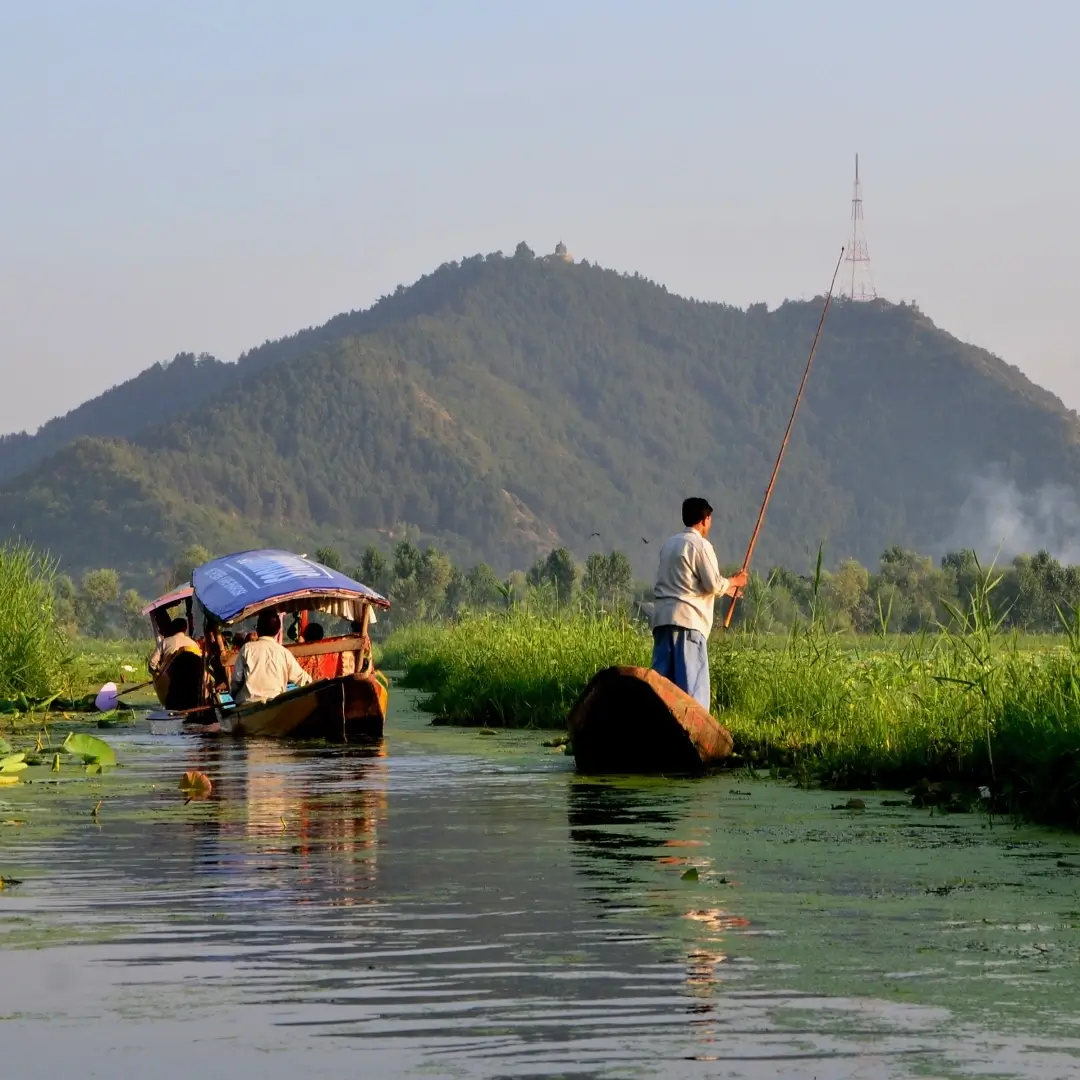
(351, 708)
(633, 720)
(179, 683)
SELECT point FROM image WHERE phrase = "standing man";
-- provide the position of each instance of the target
(687, 585)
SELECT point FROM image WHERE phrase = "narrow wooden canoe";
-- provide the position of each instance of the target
(350, 708)
(633, 720)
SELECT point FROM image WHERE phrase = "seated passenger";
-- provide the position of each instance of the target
(173, 642)
(312, 632)
(264, 667)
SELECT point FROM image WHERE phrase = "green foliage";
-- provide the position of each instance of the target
(329, 557)
(503, 407)
(373, 570)
(554, 575)
(183, 565)
(33, 647)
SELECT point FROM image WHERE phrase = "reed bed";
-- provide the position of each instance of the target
(965, 708)
(34, 654)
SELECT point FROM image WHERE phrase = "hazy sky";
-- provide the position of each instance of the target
(204, 176)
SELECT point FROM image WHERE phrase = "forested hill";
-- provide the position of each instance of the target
(156, 394)
(504, 405)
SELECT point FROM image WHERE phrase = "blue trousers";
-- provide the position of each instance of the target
(681, 656)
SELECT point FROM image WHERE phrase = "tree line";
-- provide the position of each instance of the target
(905, 593)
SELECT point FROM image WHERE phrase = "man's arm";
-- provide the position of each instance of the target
(712, 581)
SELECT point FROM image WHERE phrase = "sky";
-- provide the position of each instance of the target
(206, 176)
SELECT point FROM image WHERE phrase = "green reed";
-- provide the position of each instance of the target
(34, 655)
(966, 703)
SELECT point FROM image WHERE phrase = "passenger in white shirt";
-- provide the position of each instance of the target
(688, 582)
(264, 667)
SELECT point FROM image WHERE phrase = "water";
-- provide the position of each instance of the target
(456, 905)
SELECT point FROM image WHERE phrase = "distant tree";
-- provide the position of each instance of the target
(133, 622)
(557, 571)
(847, 595)
(374, 570)
(328, 557)
(93, 606)
(484, 588)
(432, 576)
(407, 559)
(608, 578)
(66, 598)
(456, 595)
(180, 571)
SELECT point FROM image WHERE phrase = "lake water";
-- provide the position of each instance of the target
(461, 905)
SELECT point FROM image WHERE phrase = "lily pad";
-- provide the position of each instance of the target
(94, 751)
(196, 784)
(691, 874)
(13, 764)
(8, 778)
(5, 746)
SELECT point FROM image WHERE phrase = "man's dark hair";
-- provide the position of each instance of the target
(312, 632)
(695, 511)
(178, 626)
(268, 624)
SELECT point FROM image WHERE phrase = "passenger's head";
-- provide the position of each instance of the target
(697, 513)
(268, 624)
(178, 626)
(312, 632)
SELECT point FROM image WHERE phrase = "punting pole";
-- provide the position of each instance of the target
(783, 445)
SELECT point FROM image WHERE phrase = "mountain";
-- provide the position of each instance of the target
(156, 394)
(503, 405)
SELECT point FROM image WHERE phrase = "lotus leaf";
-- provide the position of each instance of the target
(94, 751)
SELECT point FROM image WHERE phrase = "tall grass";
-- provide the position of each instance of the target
(967, 704)
(33, 651)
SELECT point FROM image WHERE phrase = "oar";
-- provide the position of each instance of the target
(132, 689)
(783, 445)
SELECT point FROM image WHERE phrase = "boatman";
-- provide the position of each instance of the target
(687, 585)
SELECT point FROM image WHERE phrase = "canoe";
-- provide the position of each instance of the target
(633, 720)
(350, 708)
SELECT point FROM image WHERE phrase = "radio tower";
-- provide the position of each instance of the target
(860, 285)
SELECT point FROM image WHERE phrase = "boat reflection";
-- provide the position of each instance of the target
(307, 819)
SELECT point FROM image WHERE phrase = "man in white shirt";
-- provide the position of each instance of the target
(264, 667)
(688, 582)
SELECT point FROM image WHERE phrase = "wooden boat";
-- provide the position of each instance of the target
(633, 720)
(346, 701)
(178, 678)
(350, 708)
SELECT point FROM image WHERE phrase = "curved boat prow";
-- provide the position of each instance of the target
(633, 720)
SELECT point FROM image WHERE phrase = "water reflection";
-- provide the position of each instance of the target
(451, 911)
(311, 817)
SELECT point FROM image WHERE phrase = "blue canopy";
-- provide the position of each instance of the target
(237, 586)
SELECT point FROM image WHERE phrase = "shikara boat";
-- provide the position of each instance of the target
(633, 720)
(178, 678)
(347, 698)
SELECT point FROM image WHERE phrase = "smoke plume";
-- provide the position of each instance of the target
(997, 519)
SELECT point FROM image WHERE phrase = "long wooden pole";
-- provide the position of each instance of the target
(783, 445)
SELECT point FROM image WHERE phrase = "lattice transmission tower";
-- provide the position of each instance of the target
(858, 281)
